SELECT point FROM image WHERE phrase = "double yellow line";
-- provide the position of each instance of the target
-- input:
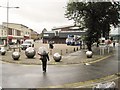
(98, 60)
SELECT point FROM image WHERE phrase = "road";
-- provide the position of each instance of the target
(31, 76)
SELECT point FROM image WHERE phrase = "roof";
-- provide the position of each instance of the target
(55, 28)
(15, 24)
(21, 25)
(49, 32)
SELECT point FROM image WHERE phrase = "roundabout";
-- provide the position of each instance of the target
(61, 75)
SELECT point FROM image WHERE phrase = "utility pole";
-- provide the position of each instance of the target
(7, 24)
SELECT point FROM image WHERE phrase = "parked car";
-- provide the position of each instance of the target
(73, 40)
(68, 41)
(12, 45)
(29, 40)
(27, 44)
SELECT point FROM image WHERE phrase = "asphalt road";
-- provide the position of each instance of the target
(31, 76)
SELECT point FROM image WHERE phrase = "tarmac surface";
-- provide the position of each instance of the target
(70, 55)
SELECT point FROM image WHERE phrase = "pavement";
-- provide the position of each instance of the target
(70, 55)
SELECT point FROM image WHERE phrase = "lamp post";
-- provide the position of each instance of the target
(7, 7)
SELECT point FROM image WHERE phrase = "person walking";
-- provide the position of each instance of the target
(114, 44)
(51, 45)
(44, 58)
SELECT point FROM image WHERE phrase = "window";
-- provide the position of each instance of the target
(9, 31)
(18, 33)
(46, 35)
(56, 33)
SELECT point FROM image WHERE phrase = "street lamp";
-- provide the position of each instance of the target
(7, 7)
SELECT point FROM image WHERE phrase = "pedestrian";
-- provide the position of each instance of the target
(98, 42)
(51, 45)
(80, 44)
(113, 43)
(44, 58)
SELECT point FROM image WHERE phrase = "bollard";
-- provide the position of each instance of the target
(61, 52)
(50, 52)
(19, 49)
(66, 50)
(14, 49)
(77, 48)
(80, 46)
(74, 50)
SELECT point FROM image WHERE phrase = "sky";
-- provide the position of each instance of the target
(36, 14)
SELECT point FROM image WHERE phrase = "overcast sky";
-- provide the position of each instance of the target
(36, 14)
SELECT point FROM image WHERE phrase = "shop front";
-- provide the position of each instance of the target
(15, 39)
(26, 37)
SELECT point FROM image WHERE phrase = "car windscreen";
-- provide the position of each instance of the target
(27, 43)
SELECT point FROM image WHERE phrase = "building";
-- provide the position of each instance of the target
(3, 32)
(3, 35)
(34, 35)
(59, 35)
(13, 32)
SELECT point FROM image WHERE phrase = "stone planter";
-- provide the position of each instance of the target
(30, 52)
(57, 57)
(89, 54)
(15, 55)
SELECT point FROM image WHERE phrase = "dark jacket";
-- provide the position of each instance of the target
(44, 57)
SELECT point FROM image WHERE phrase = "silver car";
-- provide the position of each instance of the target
(26, 44)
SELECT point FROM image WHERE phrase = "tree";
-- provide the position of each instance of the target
(97, 18)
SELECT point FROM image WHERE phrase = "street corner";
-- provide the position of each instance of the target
(96, 59)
